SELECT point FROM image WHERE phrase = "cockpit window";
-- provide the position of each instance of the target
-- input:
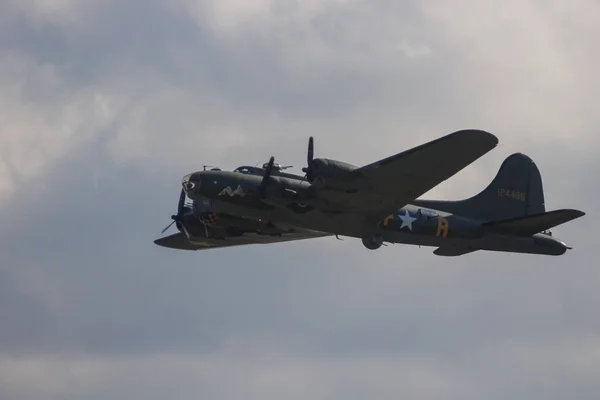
(249, 170)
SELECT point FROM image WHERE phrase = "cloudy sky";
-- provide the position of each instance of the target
(105, 105)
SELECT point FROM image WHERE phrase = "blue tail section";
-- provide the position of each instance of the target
(516, 191)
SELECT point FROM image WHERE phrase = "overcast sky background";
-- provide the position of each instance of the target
(105, 105)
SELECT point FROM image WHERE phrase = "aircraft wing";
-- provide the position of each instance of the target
(179, 240)
(403, 177)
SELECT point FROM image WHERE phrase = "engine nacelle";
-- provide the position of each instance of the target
(333, 174)
(372, 242)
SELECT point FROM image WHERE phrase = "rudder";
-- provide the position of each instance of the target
(516, 191)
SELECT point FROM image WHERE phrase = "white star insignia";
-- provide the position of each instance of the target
(407, 220)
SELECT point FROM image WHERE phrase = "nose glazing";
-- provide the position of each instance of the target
(187, 183)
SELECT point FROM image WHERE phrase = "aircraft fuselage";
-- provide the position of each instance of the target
(293, 202)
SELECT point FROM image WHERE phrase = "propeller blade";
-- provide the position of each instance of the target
(309, 160)
(185, 231)
(181, 202)
(180, 208)
(266, 176)
(168, 226)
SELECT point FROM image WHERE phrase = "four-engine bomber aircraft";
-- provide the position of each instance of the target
(377, 203)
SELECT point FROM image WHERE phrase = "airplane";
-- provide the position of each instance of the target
(378, 203)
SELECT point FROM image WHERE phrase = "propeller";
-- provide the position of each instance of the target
(263, 185)
(177, 217)
(309, 160)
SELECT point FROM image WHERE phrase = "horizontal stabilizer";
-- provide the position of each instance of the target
(532, 224)
(452, 251)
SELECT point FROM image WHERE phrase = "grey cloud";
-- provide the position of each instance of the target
(341, 72)
(85, 293)
(284, 375)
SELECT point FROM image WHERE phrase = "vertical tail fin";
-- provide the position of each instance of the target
(516, 191)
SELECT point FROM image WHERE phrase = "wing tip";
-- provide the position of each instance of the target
(571, 212)
(579, 213)
(480, 135)
(175, 241)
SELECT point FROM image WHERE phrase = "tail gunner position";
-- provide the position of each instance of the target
(377, 203)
